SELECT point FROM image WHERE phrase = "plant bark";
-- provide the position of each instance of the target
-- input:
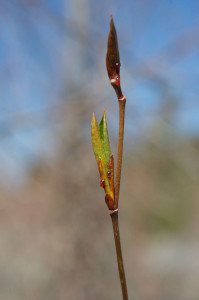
(122, 102)
(114, 215)
(115, 223)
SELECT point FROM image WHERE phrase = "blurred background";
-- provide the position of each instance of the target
(56, 239)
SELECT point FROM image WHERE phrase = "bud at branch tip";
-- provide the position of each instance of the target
(113, 59)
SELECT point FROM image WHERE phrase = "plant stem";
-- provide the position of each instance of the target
(114, 218)
(122, 102)
(113, 69)
(114, 215)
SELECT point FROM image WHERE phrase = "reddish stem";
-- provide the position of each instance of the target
(114, 218)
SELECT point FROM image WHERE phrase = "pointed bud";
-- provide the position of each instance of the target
(101, 148)
(113, 57)
(113, 60)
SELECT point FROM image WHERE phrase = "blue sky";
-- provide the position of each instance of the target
(35, 40)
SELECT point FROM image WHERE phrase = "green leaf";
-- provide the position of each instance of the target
(101, 148)
(96, 139)
(105, 140)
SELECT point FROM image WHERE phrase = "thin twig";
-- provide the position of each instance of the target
(114, 218)
(113, 69)
(122, 102)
